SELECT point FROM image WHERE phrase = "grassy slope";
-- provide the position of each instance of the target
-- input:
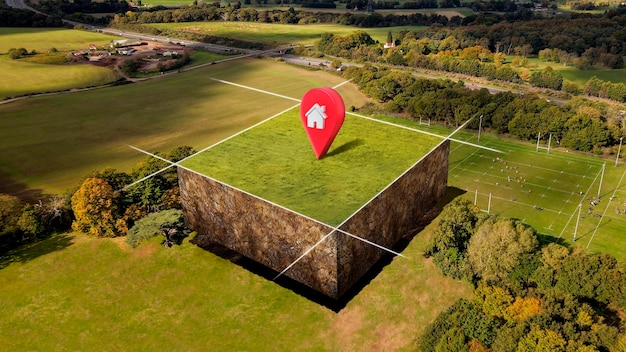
(281, 33)
(18, 77)
(275, 161)
(185, 298)
(51, 142)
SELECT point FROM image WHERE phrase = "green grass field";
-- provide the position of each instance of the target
(71, 292)
(275, 161)
(571, 73)
(50, 143)
(542, 189)
(280, 34)
(20, 77)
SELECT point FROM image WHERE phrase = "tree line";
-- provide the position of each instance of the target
(579, 125)
(527, 296)
(234, 12)
(442, 51)
(103, 205)
(10, 17)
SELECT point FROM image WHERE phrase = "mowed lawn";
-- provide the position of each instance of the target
(50, 143)
(72, 292)
(281, 34)
(542, 190)
(275, 161)
(19, 77)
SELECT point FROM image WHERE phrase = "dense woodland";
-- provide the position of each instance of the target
(528, 296)
(10, 17)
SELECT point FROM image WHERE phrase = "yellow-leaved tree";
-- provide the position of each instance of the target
(95, 210)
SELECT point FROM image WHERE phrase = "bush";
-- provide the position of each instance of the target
(32, 221)
(10, 211)
(17, 53)
(153, 225)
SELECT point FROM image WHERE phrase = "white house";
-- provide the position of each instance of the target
(315, 117)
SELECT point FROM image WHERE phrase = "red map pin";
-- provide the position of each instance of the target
(322, 112)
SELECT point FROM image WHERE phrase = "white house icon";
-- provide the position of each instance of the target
(315, 117)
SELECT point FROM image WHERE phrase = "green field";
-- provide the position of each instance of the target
(280, 34)
(19, 77)
(365, 157)
(50, 143)
(542, 190)
(75, 293)
(571, 73)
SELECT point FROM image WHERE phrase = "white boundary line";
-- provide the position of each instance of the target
(207, 148)
(425, 132)
(290, 210)
(255, 89)
(607, 207)
(334, 228)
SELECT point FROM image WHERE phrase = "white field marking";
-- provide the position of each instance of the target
(268, 92)
(581, 201)
(405, 171)
(255, 89)
(460, 145)
(205, 149)
(504, 178)
(425, 132)
(371, 243)
(541, 168)
(303, 255)
(606, 208)
(514, 201)
(234, 135)
(342, 83)
(276, 205)
(462, 161)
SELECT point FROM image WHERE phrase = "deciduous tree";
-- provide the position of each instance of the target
(498, 246)
(94, 208)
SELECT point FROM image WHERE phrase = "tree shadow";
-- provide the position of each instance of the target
(336, 305)
(545, 240)
(346, 146)
(27, 252)
(15, 188)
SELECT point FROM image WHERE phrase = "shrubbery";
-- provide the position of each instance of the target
(168, 223)
(17, 53)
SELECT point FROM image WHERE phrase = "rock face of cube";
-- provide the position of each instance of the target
(276, 237)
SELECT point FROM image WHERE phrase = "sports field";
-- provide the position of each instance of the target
(19, 77)
(545, 190)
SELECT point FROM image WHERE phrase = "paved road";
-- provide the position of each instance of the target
(19, 4)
